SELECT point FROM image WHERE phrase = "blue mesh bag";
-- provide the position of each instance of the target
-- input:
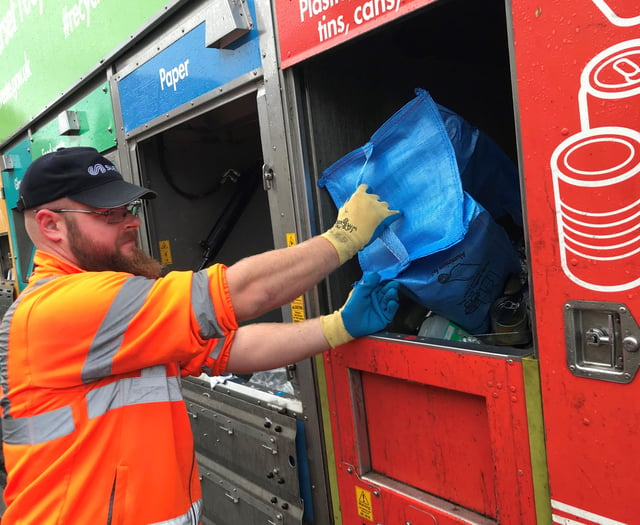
(451, 182)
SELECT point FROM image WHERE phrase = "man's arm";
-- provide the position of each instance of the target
(263, 346)
(266, 281)
(262, 282)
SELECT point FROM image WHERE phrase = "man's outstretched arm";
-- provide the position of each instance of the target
(262, 282)
(262, 346)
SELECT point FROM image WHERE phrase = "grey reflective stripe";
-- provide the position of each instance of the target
(130, 298)
(152, 387)
(217, 349)
(202, 305)
(38, 429)
(4, 346)
(4, 358)
(192, 517)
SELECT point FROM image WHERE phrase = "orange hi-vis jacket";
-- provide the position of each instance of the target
(95, 430)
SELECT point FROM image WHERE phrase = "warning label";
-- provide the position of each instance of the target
(297, 309)
(363, 499)
(165, 252)
(297, 305)
(291, 239)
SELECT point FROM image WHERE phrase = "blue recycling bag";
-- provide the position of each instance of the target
(450, 181)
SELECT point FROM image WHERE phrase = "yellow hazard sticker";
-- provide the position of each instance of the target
(297, 309)
(363, 501)
(291, 239)
(165, 252)
(297, 305)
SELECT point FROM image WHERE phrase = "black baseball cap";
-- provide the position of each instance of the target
(81, 174)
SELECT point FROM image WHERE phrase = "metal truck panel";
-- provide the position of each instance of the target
(182, 72)
(23, 249)
(309, 27)
(94, 125)
(441, 430)
(230, 499)
(578, 89)
(50, 48)
(257, 443)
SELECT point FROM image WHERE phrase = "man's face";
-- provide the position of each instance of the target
(98, 246)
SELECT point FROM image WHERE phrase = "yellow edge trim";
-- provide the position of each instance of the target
(531, 373)
(332, 473)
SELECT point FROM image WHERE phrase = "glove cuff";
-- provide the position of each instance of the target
(343, 242)
(334, 330)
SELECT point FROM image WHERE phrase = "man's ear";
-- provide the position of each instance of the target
(51, 225)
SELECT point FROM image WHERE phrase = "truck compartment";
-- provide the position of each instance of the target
(456, 51)
(397, 455)
(207, 172)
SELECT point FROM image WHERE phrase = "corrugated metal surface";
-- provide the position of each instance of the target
(247, 457)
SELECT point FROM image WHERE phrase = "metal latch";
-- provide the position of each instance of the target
(267, 177)
(602, 341)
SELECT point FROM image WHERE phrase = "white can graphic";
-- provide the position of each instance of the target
(610, 88)
(619, 12)
(596, 181)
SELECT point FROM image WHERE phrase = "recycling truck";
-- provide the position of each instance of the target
(243, 114)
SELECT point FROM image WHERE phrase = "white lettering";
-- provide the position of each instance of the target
(329, 28)
(51, 147)
(25, 6)
(372, 8)
(16, 14)
(10, 90)
(76, 14)
(8, 26)
(174, 75)
(312, 8)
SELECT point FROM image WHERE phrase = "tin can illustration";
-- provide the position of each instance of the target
(619, 12)
(596, 179)
(610, 88)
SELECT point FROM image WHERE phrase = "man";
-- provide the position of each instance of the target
(94, 426)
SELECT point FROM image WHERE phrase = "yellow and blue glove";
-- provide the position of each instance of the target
(369, 308)
(360, 220)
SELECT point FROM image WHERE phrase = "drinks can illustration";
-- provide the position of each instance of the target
(619, 12)
(610, 87)
(596, 178)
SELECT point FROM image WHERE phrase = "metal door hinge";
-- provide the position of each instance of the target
(602, 341)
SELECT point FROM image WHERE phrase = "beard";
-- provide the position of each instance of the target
(95, 258)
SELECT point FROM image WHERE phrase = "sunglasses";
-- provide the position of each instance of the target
(113, 215)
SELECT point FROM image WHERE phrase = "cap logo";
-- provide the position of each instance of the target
(100, 168)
